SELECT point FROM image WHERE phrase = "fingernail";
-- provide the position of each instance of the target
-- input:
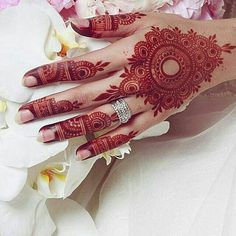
(46, 135)
(24, 116)
(83, 154)
(80, 23)
(30, 81)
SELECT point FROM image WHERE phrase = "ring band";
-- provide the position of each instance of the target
(122, 110)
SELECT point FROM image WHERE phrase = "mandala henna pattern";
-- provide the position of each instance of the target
(103, 144)
(47, 107)
(193, 56)
(108, 23)
(81, 125)
(66, 71)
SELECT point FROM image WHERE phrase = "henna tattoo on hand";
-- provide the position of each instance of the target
(66, 71)
(103, 144)
(44, 107)
(192, 58)
(81, 125)
(107, 23)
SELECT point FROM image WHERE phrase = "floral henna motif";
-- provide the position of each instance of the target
(81, 125)
(192, 58)
(66, 71)
(47, 107)
(108, 23)
(103, 144)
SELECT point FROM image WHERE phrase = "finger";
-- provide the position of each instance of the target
(94, 65)
(101, 118)
(115, 138)
(74, 99)
(84, 96)
(48, 106)
(66, 71)
(109, 25)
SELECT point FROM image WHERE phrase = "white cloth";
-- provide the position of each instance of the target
(179, 184)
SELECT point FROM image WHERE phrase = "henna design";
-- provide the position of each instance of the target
(107, 23)
(47, 107)
(103, 144)
(66, 71)
(192, 57)
(81, 125)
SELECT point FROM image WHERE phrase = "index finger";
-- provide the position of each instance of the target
(96, 64)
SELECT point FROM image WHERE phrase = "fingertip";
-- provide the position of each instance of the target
(79, 23)
(29, 81)
(18, 118)
(83, 154)
(46, 135)
(40, 137)
(24, 116)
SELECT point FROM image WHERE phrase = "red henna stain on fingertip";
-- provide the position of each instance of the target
(106, 143)
(80, 125)
(46, 107)
(85, 31)
(109, 23)
(46, 135)
(83, 155)
(71, 70)
(80, 22)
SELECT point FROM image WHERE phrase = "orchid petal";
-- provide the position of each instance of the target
(3, 108)
(45, 7)
(21, 151)
(2, 120)
(51, 181)
(26, 52)
(12, 181)
(70, 218)
(78, 170)
(44, 224)
(22, 215)
(118, 153)
(60, 175)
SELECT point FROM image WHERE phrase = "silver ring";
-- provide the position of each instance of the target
(122, 110)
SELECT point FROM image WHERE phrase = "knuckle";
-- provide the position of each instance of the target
(140, 107)
(84, 97)
(134, 124)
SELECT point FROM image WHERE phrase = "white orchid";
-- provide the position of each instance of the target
(40, 19)
(25, 53)
(18, 144)
(33, 171)
(59, 176)
(19, 147)
(14, 178)
(31, 214)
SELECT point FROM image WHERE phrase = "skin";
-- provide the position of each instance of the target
(156, 62)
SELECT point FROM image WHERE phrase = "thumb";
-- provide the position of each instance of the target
(107, 26)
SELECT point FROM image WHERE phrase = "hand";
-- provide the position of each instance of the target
(157, 63)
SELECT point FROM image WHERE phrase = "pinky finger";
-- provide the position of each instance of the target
(105, 143)
(117, 137)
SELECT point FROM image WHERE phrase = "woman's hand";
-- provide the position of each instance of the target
(157, 63)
